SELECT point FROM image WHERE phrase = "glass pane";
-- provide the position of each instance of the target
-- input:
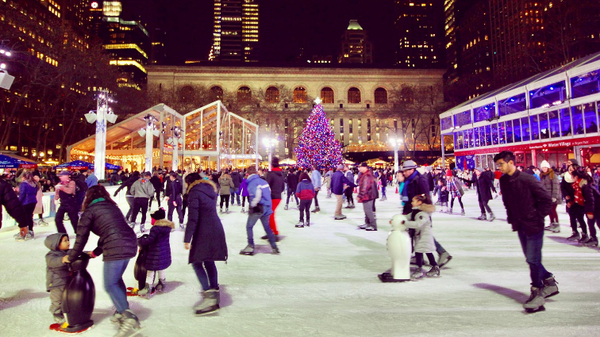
(525, 129)
(565, 122)
(460, 140)
(549, 95)
(554, 124)
(471, 138)
(577, 119)
(535, 128)
(589, 114)
(585, 84)
(517, 130)
(494, 134)
(481, 136)
(466, 140)
(544, 129)
(509, 132)
(511, 105)
(488, 135)
(501, 133)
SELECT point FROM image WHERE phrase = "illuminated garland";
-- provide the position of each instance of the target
(317, 145)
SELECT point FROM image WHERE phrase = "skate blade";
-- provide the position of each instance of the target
(554, 293)
(199, 313)
(531, 311)
(249, 254)
(134, 332)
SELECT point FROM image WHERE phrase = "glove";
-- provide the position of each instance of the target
(553, 199)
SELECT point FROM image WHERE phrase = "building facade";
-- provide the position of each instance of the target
(236, 31)
(367, 107)
(551, 116)
(356, 47)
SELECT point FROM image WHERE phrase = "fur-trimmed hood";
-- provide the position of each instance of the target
(201, 181)
(426, 208)
(164, 223)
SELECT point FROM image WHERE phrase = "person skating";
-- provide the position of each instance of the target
(10, 201)
(574, 209)
(141, 190)
(236, 177)
(348, 190)
(420, 220)
(305, 192)
(259, 209)
(159, 253)
(65, 192)
(28, 197)
(127, 183)
(550, 182)
(484, 183)
(444, 195)
(225, 184)
(338, 180)
(205, 238)
(316, 179)
(174, 198)
(292, 184)
(244, 193)
(367, 193)
(527, 203)
(277, 184)
(456, 192)
(57, 272)
(584, 193)
(158, 188)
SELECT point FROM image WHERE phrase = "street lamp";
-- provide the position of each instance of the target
(270, 144)
(6, 80)
(175, 141)
(103, 114)
(396, 145)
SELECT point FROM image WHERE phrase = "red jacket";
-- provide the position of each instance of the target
(367, 187)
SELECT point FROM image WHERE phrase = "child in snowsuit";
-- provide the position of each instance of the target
(159, 252)
(420, 220)
(57, 272)
(444, 194)
(305, 191)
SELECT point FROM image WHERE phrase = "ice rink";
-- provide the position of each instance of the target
(325, 282)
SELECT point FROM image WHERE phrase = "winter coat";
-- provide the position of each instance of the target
(157, 183)
(174, 189)
(417, 185)
(367, 187)
(350, 176)
(550, 182)
(305, 190)
(337, 182)
(91, 180)
(27, 193)
(157, 241)
(237, 178)
(204, 229)
(566, 188)
(292, 181)
(420, 220)
(115, 178)
(39, 205)
(226, 184)
(57, 272)
(315, 178)
(127, 183)
(276, 182)
(142, 188)
(117, 240)
(484, 184)
(10, 201)
(588, 196)
(526, 201)
(259, 193)
(244, 188)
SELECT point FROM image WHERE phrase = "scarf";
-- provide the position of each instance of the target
(550, 173)
(578, 194)
(406, 183)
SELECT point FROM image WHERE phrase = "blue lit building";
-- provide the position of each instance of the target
(551, 116)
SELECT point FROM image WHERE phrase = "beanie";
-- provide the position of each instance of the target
(159, 214)
(545, 164)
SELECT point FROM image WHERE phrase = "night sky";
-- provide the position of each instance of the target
(286, 26)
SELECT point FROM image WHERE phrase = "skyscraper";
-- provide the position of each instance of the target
(236, 31)
(356, 47)
(420, 27)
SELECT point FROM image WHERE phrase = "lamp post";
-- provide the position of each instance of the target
(270, 144)
(150, 131)
(175, 140)
(102, 114)
(396, 145)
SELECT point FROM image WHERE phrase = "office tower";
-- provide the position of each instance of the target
(236, 31)
(356, 47)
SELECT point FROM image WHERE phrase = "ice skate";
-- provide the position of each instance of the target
(584, 239)
(116, 318)
(147, 291)
(482, 217)
(433, 272)
(42, 223)
(275, 251)
(243, 210)
(573, 237)
(300, 225)
(226, 210)
(249, 250)
(593, 242)
(492, 217)
(130, 324)
(550, 287)
(59, 318)
(371, 228)
(363, 226)
(142, 228)
(221, 211)
(210, 303)
(535, 302)
(444, 259)
(317, 209)
(383, 198)
(161, 286)
(417, 274)
(340, 217)
(462, 212)
(285, 207)
(553, 227)
(307, 224)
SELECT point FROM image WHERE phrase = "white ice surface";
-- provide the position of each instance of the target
(325, 283)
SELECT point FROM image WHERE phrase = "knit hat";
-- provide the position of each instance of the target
(159, 214)
(545, 164)
(448, 173)
(251, 169)
(407, 165)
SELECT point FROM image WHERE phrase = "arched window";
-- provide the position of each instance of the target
(300, 95)
(216, 93)
(327, 95)
(187, 94)
(407, 95)
(380, 96)
(272, 95)
(244, 94)
(353, 95)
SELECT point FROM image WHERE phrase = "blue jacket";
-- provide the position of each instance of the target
(337, 183)
(259, 193)
(27, 193)
(315, 178)
(305, 190)
(91, 180)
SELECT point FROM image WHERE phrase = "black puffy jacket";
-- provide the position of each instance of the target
(10, 201)
(275, 180)
(117, 240)
(159, 248)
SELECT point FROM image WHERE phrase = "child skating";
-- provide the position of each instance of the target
(159, 252)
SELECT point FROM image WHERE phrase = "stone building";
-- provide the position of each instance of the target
(366, 106)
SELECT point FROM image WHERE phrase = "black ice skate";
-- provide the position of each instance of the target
(482, 217)
(550, 287)
(573, 237)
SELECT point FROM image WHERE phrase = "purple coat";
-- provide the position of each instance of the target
(244, 188)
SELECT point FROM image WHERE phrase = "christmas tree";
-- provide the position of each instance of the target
(317, 145)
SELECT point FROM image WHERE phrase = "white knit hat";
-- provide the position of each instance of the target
(544, 164)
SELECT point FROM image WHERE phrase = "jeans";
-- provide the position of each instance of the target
(369, 215)
(438, 248)
(305, 209)
(264, 219)
(383, 190)
(179, 201)
(129, 199)
(206, 271)
(289, 194)
(235, 196)
(114, 285)
(139, 204)
(483, 206)
(71, 210)
(532, 248)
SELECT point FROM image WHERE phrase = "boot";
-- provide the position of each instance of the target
(300, 225)
(161, 286)
(433, 272)
(573, 237)
(444, 259)
(210, 302)
(226, 210)
(492, 217)
(536, 301)
(550, 287)
(249, 250)
(317, 209)
(462, 212)
(417, 274)
(221, 210)
(129, 323)
(482, 217)
(116, 318)
(285, 207)
(584, 239)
